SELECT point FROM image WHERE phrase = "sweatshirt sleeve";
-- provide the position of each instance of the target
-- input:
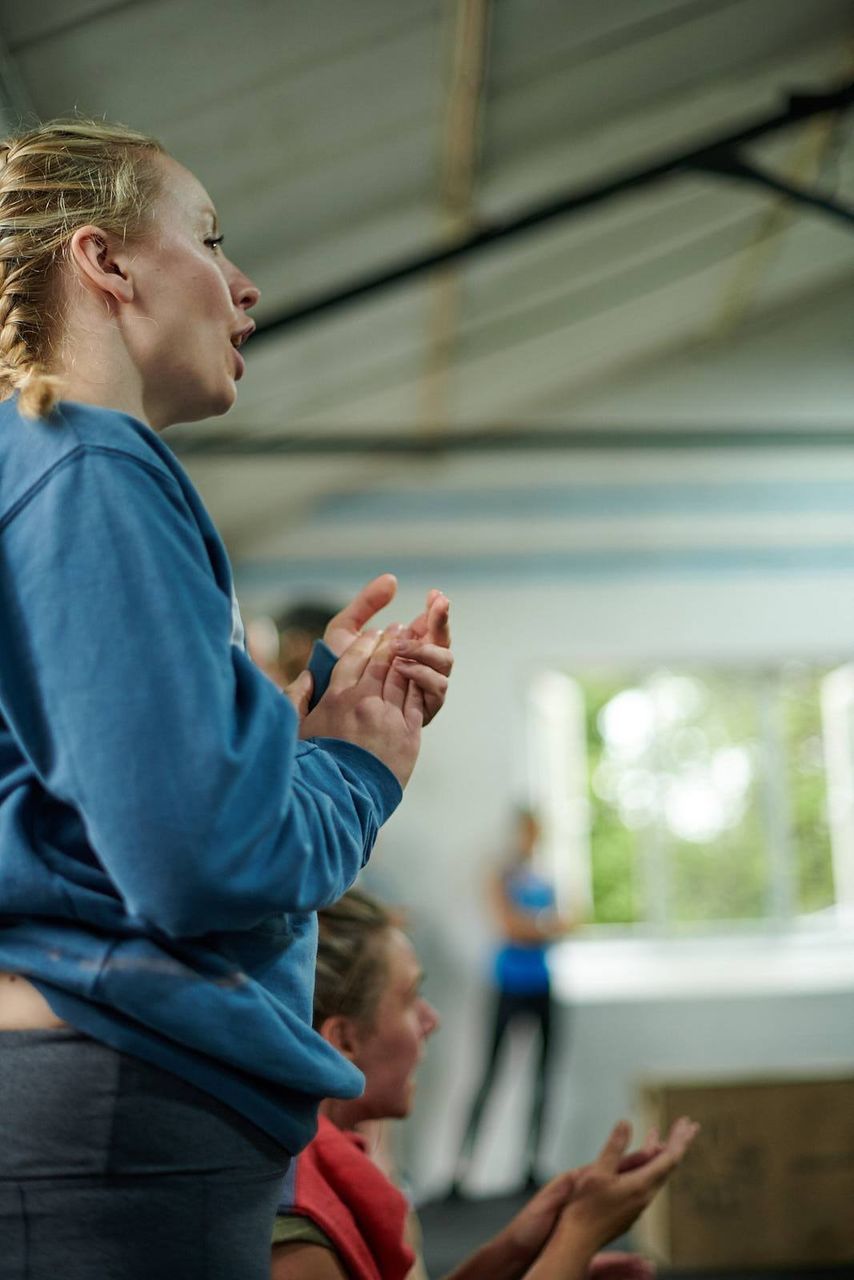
(120, 681)
(321, 664)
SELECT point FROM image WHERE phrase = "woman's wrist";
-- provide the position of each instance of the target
(511, 1254)
(568, 1252)
(501, 1258)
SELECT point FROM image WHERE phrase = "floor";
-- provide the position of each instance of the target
(454, 1228)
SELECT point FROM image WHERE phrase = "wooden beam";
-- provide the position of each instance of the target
(458, 154)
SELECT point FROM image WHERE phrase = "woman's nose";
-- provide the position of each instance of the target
(243, 291)
(429, 1019)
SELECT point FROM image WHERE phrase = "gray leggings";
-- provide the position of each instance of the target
(111, 1169)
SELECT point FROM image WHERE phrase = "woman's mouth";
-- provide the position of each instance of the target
(237, 341)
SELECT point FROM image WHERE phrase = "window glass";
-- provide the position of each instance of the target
(706, 796)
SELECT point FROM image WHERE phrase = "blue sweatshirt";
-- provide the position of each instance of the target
(165, 838)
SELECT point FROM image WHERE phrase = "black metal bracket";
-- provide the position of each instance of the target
(800, 107)
(729, 164)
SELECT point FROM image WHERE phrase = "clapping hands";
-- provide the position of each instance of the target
(405, 667)
(561, 1228)
(609, 1194)
(371, 703)
(421, 650)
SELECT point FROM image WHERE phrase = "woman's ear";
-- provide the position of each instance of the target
(341, 1033)
(100, 263)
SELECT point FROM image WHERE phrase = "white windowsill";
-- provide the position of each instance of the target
(805, 959)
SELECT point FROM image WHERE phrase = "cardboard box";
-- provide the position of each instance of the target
(769, 1181)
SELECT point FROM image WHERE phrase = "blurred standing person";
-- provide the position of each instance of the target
(524, 911)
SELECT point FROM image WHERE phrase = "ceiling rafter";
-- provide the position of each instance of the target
(459, 147)
(806, 164)
(800, 108)
(529, 440)
(727, 163)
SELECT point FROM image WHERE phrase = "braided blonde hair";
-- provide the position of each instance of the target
(53, 179)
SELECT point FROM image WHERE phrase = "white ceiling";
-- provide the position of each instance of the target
(322, 132)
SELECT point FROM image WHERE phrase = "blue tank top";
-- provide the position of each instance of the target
(520, 968)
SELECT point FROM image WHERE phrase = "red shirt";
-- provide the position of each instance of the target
(340, 1189)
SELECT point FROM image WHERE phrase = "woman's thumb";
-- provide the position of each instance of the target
(299, 691)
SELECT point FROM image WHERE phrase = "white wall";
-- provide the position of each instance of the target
(437, 848)
(620, 596)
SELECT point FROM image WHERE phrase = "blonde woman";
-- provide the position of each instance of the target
(169, 822)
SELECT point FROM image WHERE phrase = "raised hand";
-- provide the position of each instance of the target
(531, 1227)
(347, 625)
(608, 1196)
(420, 648)
(426, 642)
(370, 704)
(527, 1232)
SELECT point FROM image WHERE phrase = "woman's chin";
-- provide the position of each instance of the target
(409, 1100)
(218, 401)
(402, 1107)
(225, 399)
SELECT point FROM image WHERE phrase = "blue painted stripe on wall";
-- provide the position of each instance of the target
(544, 566)
(827, 497)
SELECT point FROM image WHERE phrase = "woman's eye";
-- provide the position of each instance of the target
(214, 242)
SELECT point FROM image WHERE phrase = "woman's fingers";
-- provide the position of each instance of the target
(414, 653)
(351, 666)
(438, 620)
(432, 683)
(615, 1265)
(396, 679)
(562, 1185)
(375, 676)
(651, 1147)
(615, 1148)
(635, 1159)
(436, 656)
(655, 1171)
(413, 705)
(432, 624)
(346, 625)
(682, 1135)
(372, 662)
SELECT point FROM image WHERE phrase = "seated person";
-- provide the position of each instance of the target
(341, 1217)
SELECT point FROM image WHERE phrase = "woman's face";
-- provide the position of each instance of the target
(191, 306)
(390, 1048)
